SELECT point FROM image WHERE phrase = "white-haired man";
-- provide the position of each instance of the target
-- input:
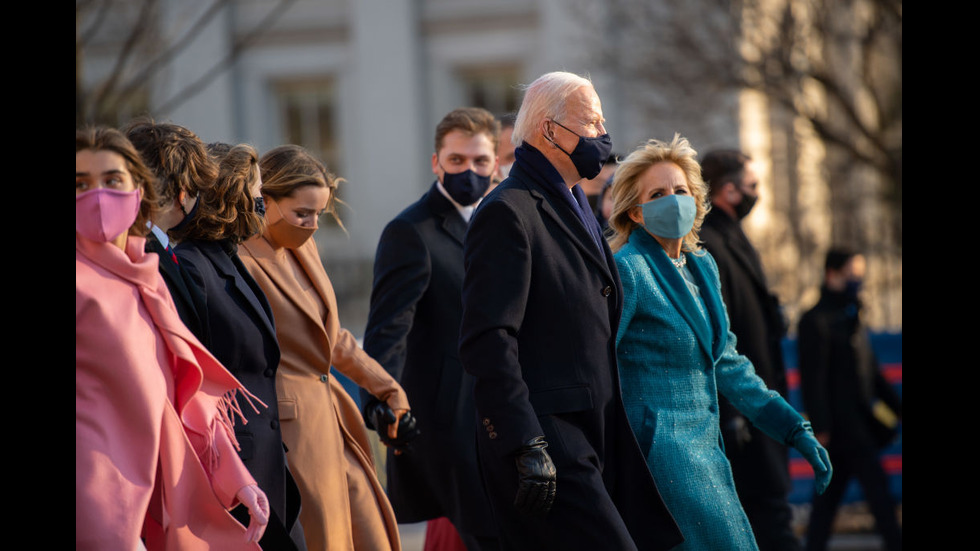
(541, 306)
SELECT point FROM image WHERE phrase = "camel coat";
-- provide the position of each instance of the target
(344, 505)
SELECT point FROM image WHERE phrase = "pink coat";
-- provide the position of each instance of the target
(154, 445)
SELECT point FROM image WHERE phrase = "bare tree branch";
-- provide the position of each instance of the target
(224, 64)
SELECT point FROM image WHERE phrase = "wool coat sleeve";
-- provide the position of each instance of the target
(402, 271)
(497, 263)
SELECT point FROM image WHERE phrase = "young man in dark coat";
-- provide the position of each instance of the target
(843, 390)
(541, 306)
(413, 331)
(760, 465)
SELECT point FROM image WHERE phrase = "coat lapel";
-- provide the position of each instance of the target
(715, 305)
(231, 268)
(562, 214)
(674, 287)
(277, 270)
(452, 223)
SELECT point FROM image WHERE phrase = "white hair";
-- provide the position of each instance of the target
(545, 98)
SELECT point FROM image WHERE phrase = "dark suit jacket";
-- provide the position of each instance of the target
(760, 465)
(413, 331)
(541, 306)
(243, 339)
(187, 297)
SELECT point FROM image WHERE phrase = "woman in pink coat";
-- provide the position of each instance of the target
(155, 457)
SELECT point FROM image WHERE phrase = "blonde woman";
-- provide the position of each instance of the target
(676, 352)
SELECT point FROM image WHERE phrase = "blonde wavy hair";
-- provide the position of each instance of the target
(626, 192)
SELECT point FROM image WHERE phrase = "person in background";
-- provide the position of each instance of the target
(677, 353)
(344, 504)
(593, 186)
(413, 330)
(242, 329)
(505, 150)
(155, 460)
(182, 168)
(853, 408)
(759, 463)
(541, 304)
(603, 202)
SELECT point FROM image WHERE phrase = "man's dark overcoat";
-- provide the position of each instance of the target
(541, 306)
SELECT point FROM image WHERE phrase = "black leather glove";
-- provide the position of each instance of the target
(535, 478)
(379, 416)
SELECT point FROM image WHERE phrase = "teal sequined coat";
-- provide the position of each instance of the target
(673, 362)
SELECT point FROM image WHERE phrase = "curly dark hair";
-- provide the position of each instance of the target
(177, 156)
(226, 209)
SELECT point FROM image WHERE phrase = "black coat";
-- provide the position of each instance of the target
(840, 377)
(413, 331)
(541, 306)
(187, 297)
(243, 339)
(759, 464)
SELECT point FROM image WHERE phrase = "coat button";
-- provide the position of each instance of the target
(486, 421)
(493, 435)
(606, 291)
(489, 428)
(269, 372)
(274, 424)
(324, 378)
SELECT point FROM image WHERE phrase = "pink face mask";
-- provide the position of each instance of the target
(102, 214)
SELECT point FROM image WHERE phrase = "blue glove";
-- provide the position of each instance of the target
(803, 440)
(784, 424)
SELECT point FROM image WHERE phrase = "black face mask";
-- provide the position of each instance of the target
(465, 187)
(745, 205)
(589, 154)
(188, 216)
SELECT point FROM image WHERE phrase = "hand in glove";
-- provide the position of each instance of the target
(257, 503)
(803, 440)
(535, 478)
(395, 427)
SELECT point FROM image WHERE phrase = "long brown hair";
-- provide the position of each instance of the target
(109, 139)
(289, 167)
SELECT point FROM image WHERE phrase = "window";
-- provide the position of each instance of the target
(493, 88)
(308, 114)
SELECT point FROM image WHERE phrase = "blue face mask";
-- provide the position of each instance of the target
(465, 187)
(589, 154)
(670, 217)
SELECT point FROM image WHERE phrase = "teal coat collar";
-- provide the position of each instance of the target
(711, 337)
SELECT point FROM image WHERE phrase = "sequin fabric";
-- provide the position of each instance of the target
(670, 389)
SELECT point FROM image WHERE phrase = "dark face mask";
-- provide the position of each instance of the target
(852, 289)
(188, 216)
(465, 187)
(745, 206)
(589, 154)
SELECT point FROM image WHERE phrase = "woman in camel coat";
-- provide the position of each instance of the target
(344, 505)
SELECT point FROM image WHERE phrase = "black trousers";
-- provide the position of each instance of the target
(865, 465)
